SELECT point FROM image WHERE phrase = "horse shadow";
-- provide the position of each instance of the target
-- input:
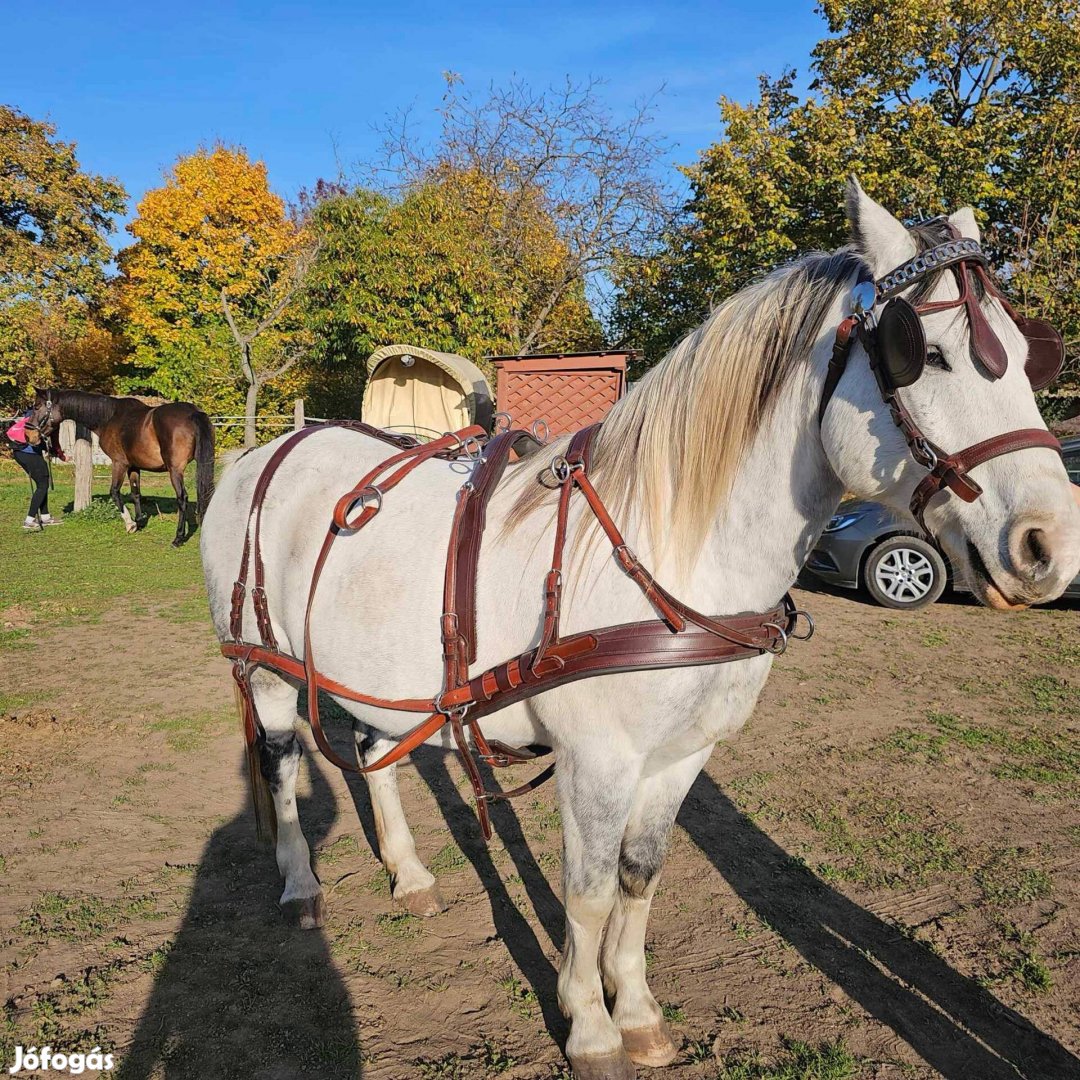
(512, 927)
(952, 1022)
(239, 993)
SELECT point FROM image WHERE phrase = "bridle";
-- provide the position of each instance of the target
(895, 345)
(45, 427)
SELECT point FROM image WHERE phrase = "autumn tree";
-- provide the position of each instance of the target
(552, 168)
(208, 286)
(934, 104)
(416, 267)
(55, 220)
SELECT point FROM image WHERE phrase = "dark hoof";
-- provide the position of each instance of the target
(651, 1046)
(615, 1066)
(308, 913)
(424, 902)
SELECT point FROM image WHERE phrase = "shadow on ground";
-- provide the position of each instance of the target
(240, 993)
(954, 1024)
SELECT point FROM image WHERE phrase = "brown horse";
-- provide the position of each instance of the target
(159, 438)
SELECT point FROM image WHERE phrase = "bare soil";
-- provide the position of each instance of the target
(887, 858)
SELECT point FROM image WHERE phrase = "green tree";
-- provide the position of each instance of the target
(419, 268)
(933, 104)
(55, 220)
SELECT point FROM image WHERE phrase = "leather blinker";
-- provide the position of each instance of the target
(1046, 352)
(901, 344)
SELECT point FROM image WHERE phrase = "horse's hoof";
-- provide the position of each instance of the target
(650, 1046)
(130, 527)
(423, 902)
(308, 913)
(617, 1066)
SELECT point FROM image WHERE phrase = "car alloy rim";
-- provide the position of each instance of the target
(904, 575)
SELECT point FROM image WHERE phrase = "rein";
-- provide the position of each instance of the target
(895, 346)
(679, 637)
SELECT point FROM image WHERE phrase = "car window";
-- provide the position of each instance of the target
(1072, 465)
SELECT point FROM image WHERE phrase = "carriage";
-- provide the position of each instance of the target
(424, 393)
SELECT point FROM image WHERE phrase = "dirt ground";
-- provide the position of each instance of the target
(879, 878)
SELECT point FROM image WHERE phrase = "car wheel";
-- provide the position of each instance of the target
(904, 572)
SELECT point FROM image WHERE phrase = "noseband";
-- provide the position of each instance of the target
(895, 345)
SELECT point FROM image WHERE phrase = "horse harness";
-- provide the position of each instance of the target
(895, 344)
(679, 637)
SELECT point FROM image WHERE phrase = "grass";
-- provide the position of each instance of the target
(186, 733)
(1036, 752)
(78, 568)
(797, 1061)
(82, 917)
(522, 999)
(881, 842)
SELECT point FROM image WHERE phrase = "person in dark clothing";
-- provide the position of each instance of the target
(31, 458)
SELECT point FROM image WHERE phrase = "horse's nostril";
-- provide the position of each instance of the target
(1035, 548)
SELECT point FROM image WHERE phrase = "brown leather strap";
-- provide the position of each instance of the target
(951, 470)
(485, 479)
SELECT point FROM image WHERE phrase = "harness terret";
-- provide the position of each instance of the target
(895, 344)
(679, 637)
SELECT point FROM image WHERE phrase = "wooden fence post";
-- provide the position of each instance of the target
(298, 415)
(84, 467)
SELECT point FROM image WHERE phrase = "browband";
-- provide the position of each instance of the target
(963, 249)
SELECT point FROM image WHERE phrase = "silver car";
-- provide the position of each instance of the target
(865, 545)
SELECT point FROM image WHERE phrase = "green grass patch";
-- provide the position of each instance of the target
(521, 998)
(14, 639)
(798, 1061)
(398, 924)
(82, 917)
(1005, 880)
(881, 842)
(80, 567)
(344, 847)
(447, 860)
(186, 733)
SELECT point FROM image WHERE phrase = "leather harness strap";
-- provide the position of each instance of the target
(680, 637)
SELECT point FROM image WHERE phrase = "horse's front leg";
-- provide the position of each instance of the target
(279, 759)
(119, 470)
(596, 791)
(411, 883)
(637, 1015)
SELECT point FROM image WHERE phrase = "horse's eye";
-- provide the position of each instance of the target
(935, 359)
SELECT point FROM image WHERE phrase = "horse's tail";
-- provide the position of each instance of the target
(204, 461)
(262, 800)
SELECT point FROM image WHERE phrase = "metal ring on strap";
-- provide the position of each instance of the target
(810, 627)
(781, 644)
(456, 712)
(539, 425)
(347, 503)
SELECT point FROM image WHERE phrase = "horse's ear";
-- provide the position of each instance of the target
(879, 237)
(39, 395)
(964, 220)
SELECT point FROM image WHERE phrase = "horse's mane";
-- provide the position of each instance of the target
(89, 409)
(673, 445)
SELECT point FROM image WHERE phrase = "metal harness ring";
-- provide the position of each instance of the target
(810, 627)
(781, 643)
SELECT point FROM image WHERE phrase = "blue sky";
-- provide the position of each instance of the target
(301, 86)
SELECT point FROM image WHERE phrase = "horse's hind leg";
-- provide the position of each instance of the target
(177, 477)
(134, 482)
(279, 761)
(119, 470)
(638, 1017)
(411, 883)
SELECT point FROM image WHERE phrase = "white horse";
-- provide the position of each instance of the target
(721, 477)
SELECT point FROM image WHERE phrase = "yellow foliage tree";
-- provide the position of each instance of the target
(213, 246)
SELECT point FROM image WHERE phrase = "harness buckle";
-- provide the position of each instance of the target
(451, 712)
(925, 455)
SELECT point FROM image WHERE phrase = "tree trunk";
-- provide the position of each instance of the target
(250, 404)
